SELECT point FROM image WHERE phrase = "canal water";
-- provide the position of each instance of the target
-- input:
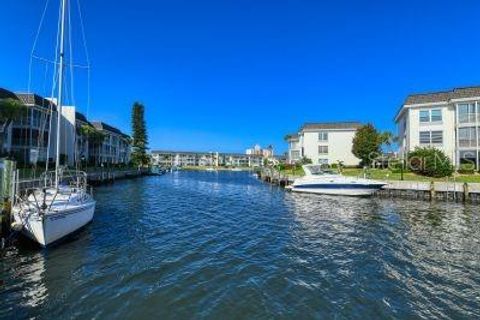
(223, 245)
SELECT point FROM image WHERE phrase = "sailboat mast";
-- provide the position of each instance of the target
(60, 88)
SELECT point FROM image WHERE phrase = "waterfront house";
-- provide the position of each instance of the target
(323, 143)
(448, 120)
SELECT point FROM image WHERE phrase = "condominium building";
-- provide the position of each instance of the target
(202, 159)
(259, 151)
(82, 142)
(323, 143)
(448, 120)
(115, 149)
(26, 138)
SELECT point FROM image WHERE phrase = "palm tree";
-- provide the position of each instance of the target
(10, 110)
(94, 136)
(387, 139)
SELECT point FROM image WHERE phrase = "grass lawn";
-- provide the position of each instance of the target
(388, 175)
(385, 174)
(293, 172)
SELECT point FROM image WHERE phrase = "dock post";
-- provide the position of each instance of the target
(7, 193)
(466, 192)
(432, 191)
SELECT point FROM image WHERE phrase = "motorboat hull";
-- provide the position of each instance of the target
(338, 189)
(52, 226)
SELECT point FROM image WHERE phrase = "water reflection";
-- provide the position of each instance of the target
(222, 245)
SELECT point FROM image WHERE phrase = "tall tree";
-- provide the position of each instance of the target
(94, 137)
(367, 144)
(387, 139)
(140, 137)
(10, 110)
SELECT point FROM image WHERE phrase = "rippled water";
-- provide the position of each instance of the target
(224, 245)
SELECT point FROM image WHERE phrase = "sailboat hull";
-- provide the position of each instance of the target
(54, 226)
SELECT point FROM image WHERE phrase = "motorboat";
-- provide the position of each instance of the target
(322, 181)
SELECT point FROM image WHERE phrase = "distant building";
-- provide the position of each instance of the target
(448, 120)
(258, 151)
(204, 159)
(324, 143)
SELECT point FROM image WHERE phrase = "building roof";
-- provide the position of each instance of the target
(443, 96)
(439, 97)
(291, 136)
(5, 94)
(332, 125)
(35, 99)
(103, 126)
(81, 117)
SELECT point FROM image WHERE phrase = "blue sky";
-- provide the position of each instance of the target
(224, 74)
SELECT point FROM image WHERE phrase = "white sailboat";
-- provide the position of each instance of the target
(62, 204)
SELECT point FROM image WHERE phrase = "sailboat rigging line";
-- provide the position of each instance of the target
(70, 46)
(75, 65)
(87, 57)
(54, 85)
(60, 90)
(37, 35)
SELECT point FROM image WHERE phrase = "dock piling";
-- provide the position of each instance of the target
(466, 193)
(432, 191)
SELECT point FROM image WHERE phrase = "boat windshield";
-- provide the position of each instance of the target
(317, 170)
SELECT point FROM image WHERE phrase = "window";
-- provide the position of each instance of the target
(436, 115)
(431, 137)
(433, 115)
(424, 116)
(437, 137)
(295, 155)
(466, 113)
(323, 136)
(323, 149)
(467, 137)
(424, 137)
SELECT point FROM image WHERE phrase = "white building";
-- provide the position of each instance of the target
(447, 120)
(257, 150)
(115, 148)
(203, 159)
(27, 138)
(324, 143)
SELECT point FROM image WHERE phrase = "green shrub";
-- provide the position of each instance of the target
(466, 168)
(430, 162)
